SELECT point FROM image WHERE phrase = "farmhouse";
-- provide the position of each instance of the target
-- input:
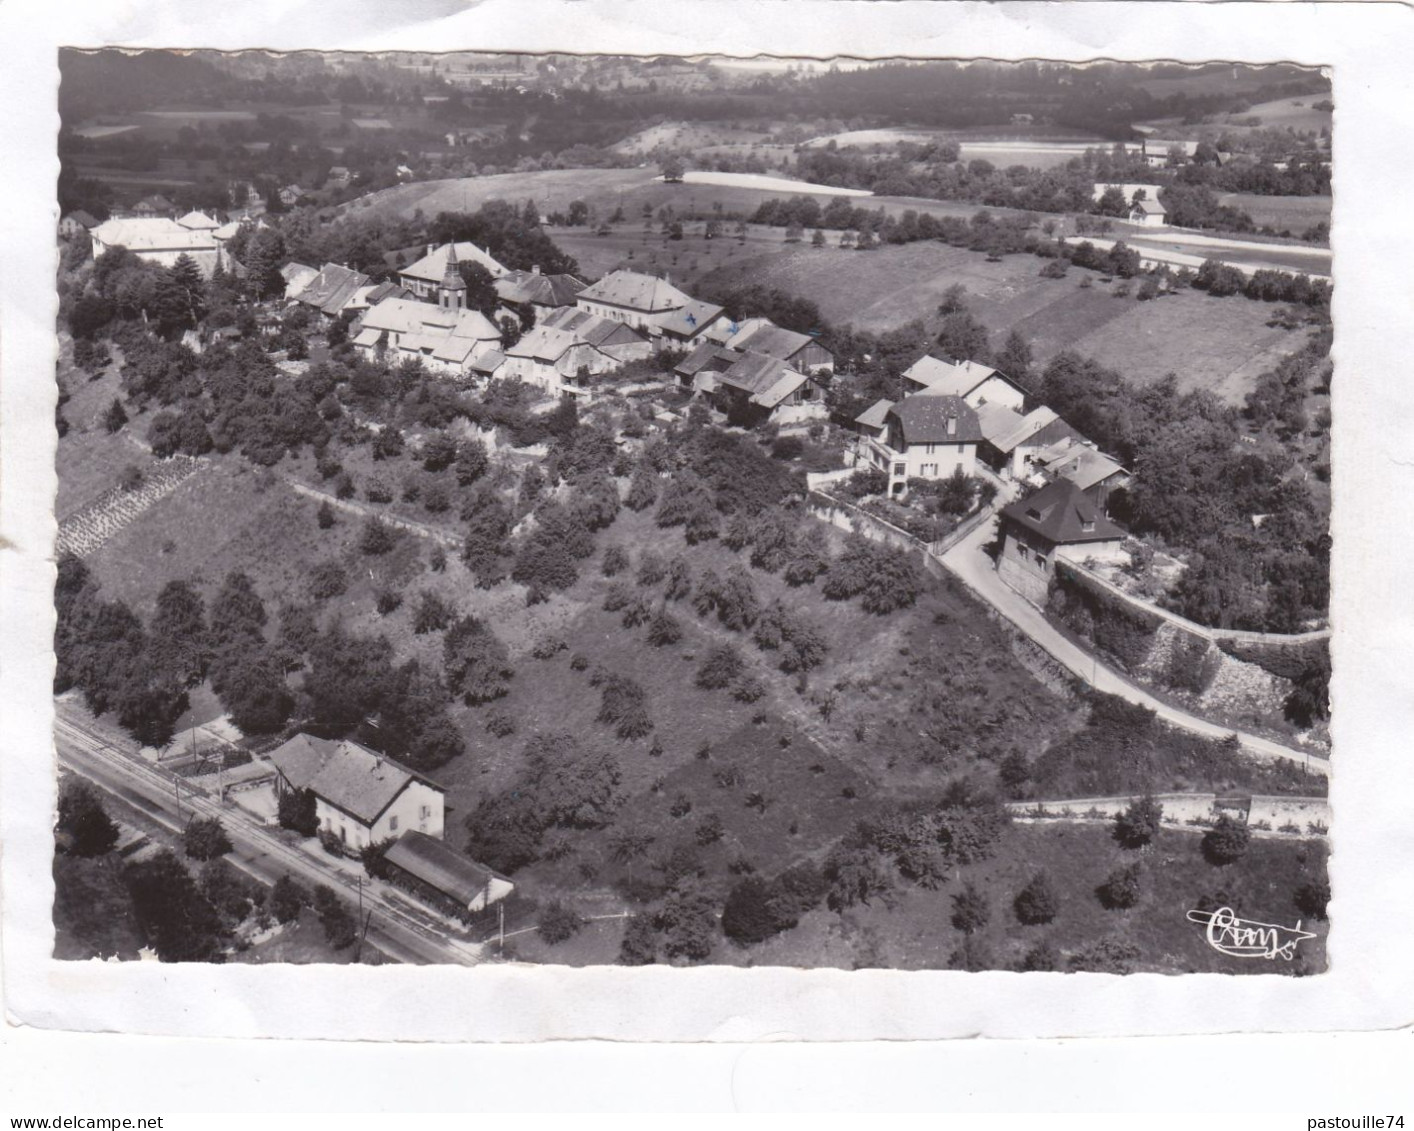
(449, 875)
(558, 361)
(641, 301)
(926, 436)
(159, 240)
(360, 797)
(543, 292)
(331, 290)
(976, 384)
(446, 340)
(617, 339)
(424, 278)
(78, 223)
(1059, 520)
(1149, 213)
(291, 195)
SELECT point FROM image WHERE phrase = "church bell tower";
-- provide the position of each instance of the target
(451, 292)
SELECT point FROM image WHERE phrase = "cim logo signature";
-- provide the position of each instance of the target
(1243, 938)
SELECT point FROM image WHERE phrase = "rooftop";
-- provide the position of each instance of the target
(440, 866)
(540, 290)
(152, 233)
(1063, 514)
(343, 773)
(636, 292)
(951, 378)
(924, 419)
(690, 320)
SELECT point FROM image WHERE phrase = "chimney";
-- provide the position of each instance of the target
(535, 269)
(431, 248)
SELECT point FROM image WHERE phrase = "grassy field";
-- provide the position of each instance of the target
(913, 931)
(91, 460)
(1220, 344)
(1296, 213)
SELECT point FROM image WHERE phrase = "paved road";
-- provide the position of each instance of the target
(971, 564)
(395, 928)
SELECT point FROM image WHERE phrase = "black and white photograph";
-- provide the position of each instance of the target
(646, 510)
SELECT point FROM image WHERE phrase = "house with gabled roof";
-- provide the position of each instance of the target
(1148, 212)
(925, 436)
(800, 351)
(1059, 521)
(1010, 438)
(617, 339)
(1074, 458)
(640, 300)
(748, 385)
(424, 277)
(975, 383)
(690, 324)
(361, 797)
(533, 289)
(331, 290)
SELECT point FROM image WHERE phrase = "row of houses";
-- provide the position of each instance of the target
(960, 413)
(572, 331)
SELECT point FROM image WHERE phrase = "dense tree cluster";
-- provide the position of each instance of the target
(1195, 486)
(562, 783)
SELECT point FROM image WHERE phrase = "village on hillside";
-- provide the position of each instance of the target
(531, 587)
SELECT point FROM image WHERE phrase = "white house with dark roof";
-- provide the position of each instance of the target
(926, 436)
(361, 797)
(642, 301)
(975, 383)
(1058, 521)
(1148, 213)
(424, 277)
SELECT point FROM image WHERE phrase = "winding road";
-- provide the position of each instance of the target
(969, 562)
(396, 928)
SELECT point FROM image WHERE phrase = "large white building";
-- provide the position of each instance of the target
(156, 239)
